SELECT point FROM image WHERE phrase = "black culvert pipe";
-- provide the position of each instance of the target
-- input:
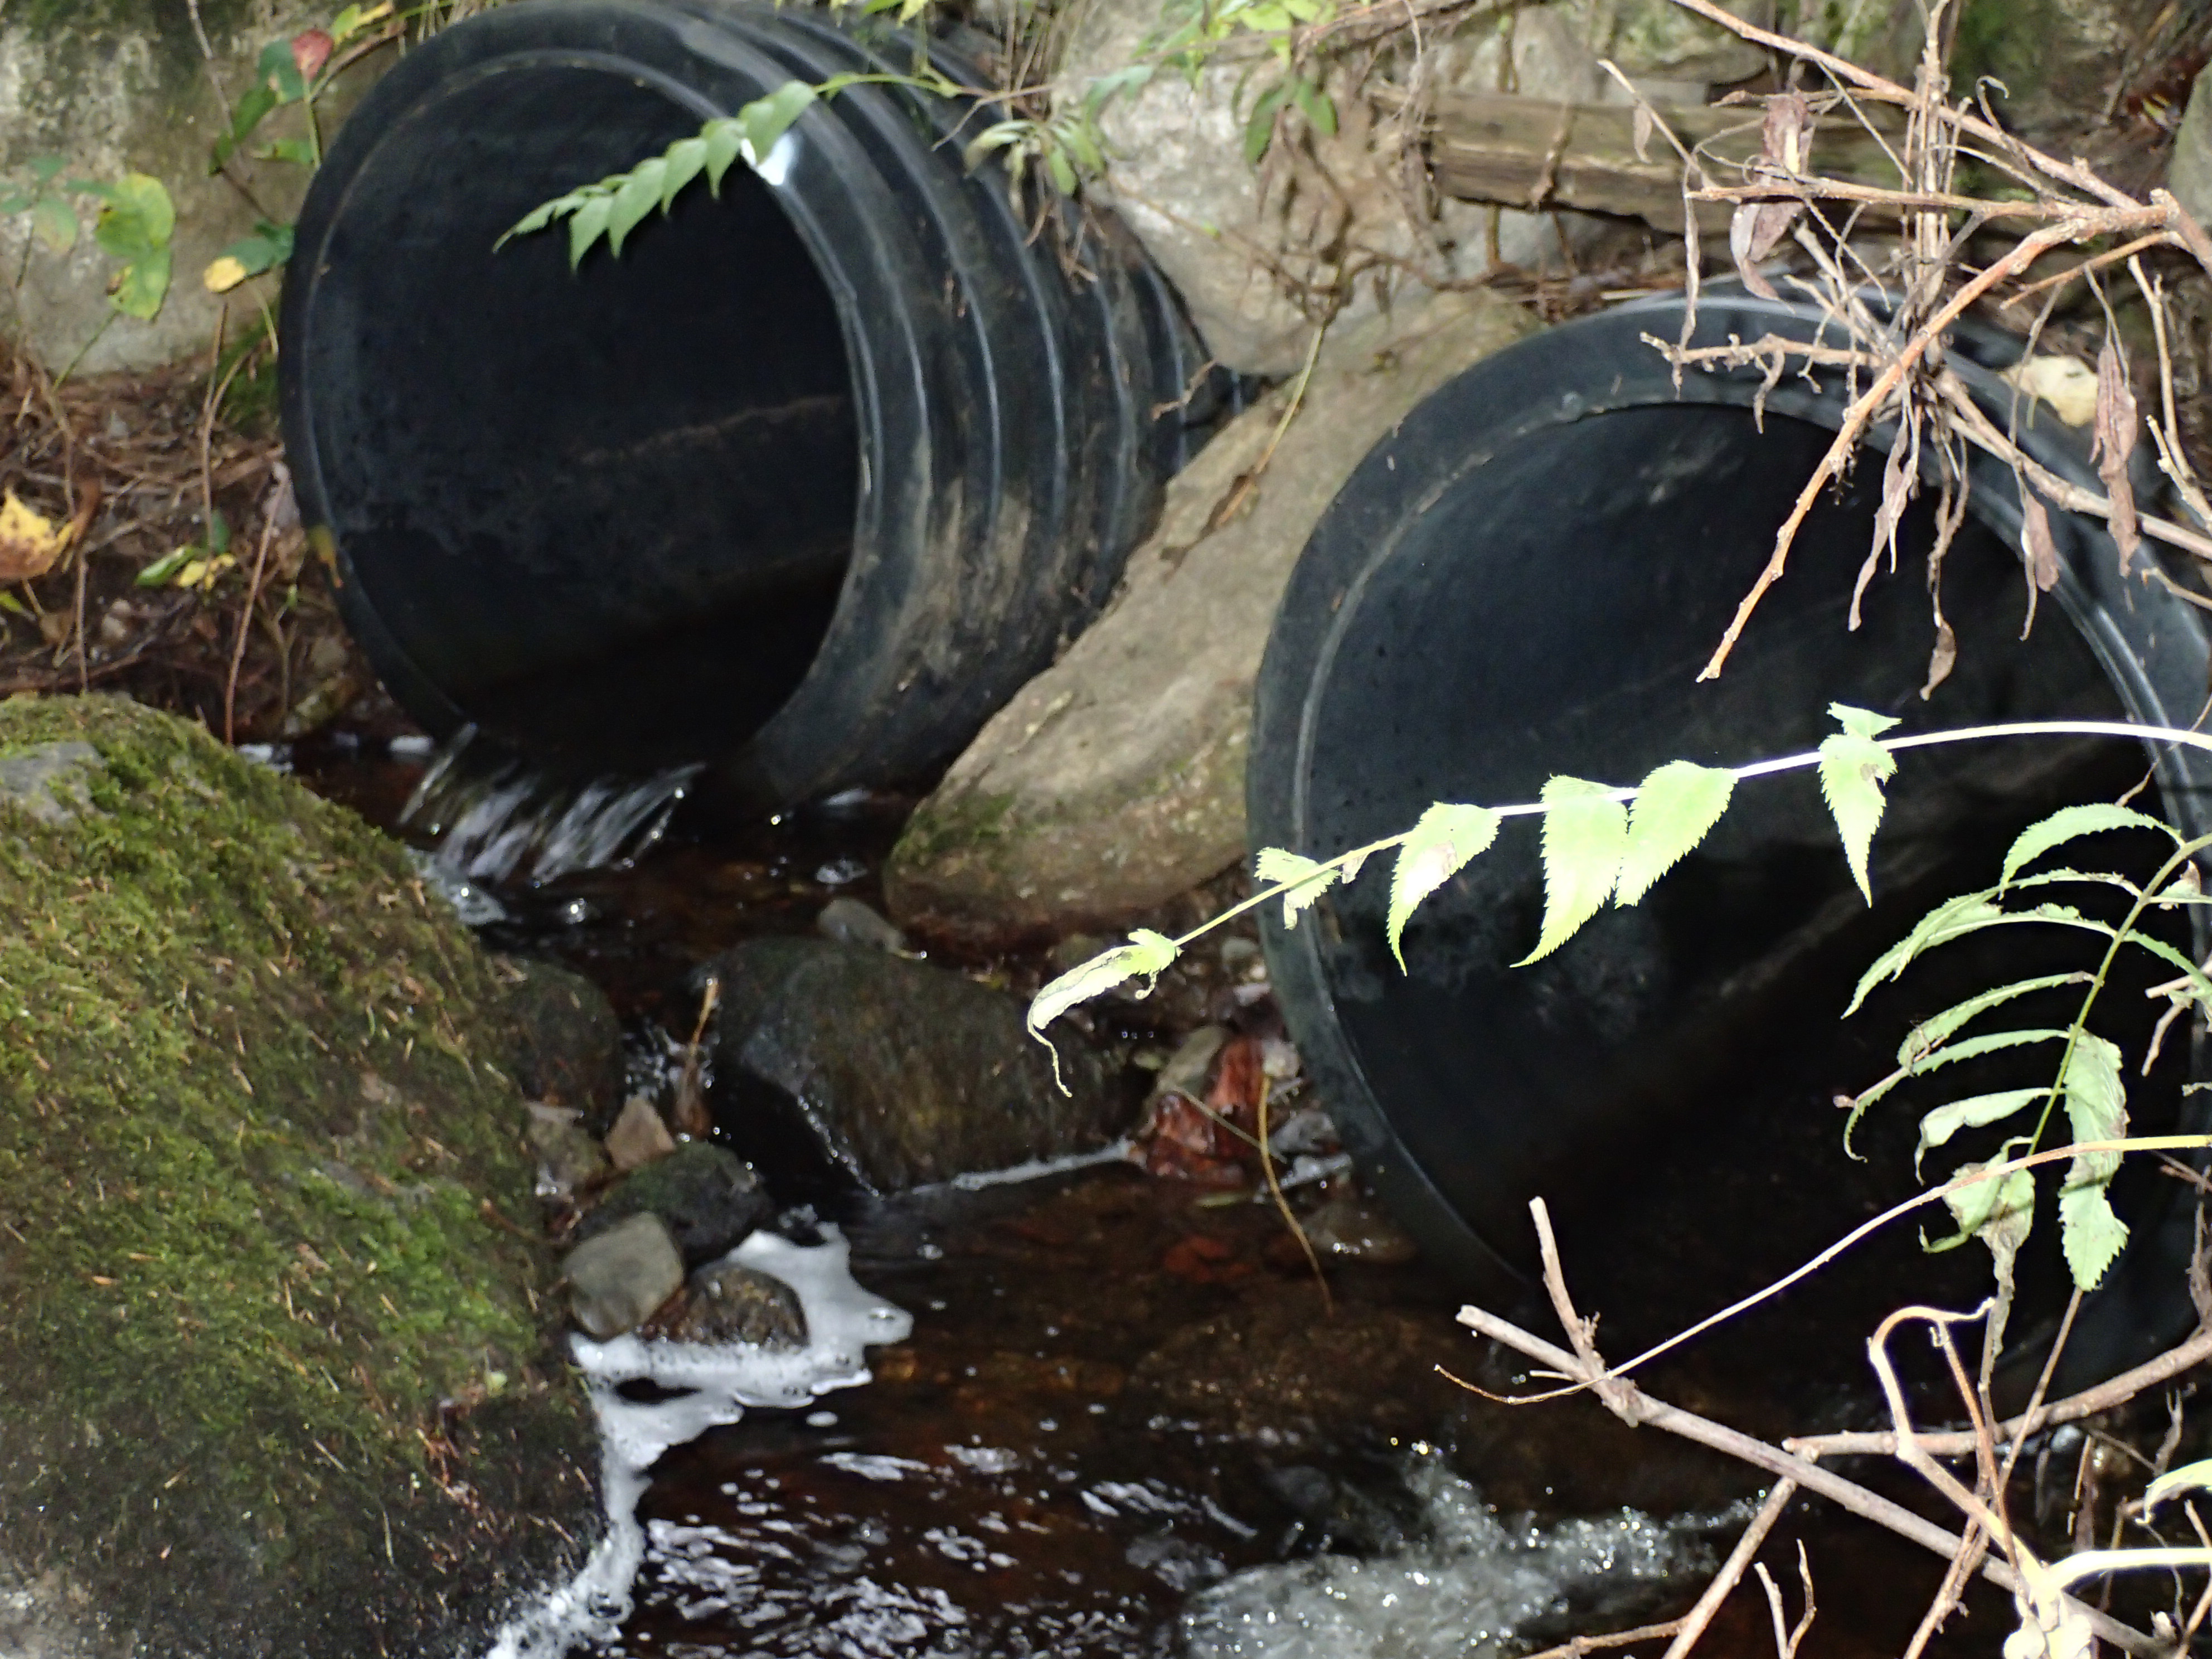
(1525, 579)
(805, 483)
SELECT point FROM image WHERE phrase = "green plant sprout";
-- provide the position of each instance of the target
(1066, 146)
(295, 69)
(1603, 843)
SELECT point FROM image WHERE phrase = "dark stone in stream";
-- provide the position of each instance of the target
(902, 1073)
(570, 1048)
(709, 1197)
(731, 1302)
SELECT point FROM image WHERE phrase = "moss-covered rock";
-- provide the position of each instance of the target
(278, 1377)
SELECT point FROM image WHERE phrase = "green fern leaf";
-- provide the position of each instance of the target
(1954, 918)
(1308, 879)
(2096, 1106)
(1930, 1034)
(1973, 1113)
(2000, 1213)
(765, 120)
(2070, 822)
(1853, 768)
(726, 141)
(1676, 808)
(1437, 848)
(1585, 835)
(686, 159)
(588, 223)
(637, 196)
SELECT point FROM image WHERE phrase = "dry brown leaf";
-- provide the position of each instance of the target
(1640, 130)
(1753, 230)
(1785, 137)
(29, 542)
(2038, 553)
(1942, 659)
(2118, 424)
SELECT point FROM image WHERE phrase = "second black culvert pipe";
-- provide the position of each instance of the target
(805, 484)
(1524, 579)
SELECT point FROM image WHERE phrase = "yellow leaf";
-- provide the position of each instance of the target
(223, 275)
(2066, 384)
(204, 572)
(29, 544)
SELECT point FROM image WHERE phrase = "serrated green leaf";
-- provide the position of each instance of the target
(1585, 835)
(2069, 823)
(765, 120)
(298, 152)
(2096, 1106)
(2200, 986)
(686, 159)
(725, 142)
(638, 195)
(1985, 1042)
(1082, 144)
(1676, 808)
(1972, 1112)
(157, 574)
(1932, 1032)
(2189, 1477)
(1310, 878)
(1853, 769)
(585, 225)
(1954, 918)
(1128, 79)
(53, 222)
(1437, 848)
(139, 217)
(1146, 955)
(1860, 722)
(2091, 1235)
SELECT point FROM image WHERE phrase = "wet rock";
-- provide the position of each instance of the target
(569, 1160)
(639, 1137)
(617, 1279)
(849, 921)
(1115, 780)
(709, 1197)
(570, 1046)
(728, 1303)
(186, 1214)
(1348, 1228)
(901, 1073)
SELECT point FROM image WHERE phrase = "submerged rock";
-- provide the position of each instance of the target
(709, 1196)
(276, 1377)
(1115, 780)
(618, 1278)
(901, 1073)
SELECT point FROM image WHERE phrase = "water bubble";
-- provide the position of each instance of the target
(839, 873)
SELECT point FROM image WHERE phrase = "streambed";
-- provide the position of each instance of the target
(1124, 1423)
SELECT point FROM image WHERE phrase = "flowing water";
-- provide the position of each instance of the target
(1095, 1413)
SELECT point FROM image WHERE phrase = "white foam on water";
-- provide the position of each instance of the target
(1473, 1583)
(1037, 1168)
(842, 1322)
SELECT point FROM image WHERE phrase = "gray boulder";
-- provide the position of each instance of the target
(618, 1278)
(902, 1073)
(1115, 780)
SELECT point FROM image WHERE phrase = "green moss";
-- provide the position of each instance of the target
(257, 1141)
(941, 829)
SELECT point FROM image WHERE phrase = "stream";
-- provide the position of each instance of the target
(1121, 1421)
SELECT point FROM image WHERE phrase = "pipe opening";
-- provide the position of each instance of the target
(1667, 1080)
(605, 513)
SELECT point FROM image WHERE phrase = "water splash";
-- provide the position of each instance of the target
(495, 816)
(1471, 1584)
